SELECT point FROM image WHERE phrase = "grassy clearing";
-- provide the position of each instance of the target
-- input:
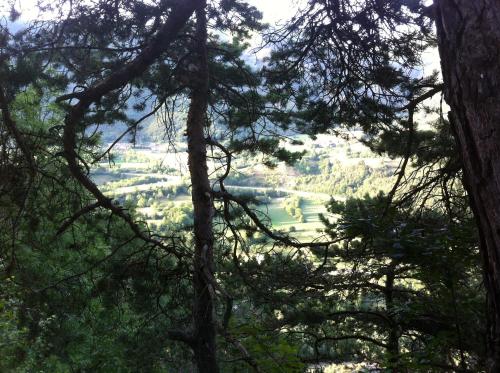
(304, 231)
(312, 208)
(104, 178)
(144, 187)
(279, 217)
(136, 165)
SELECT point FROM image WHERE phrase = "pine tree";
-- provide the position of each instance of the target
(469, 44)
(359, 65)
(139, 56)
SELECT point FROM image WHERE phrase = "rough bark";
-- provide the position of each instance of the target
(469, 45)
(393, 338)
(204, 345)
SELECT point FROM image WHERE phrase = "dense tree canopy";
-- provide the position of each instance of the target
(96, 280)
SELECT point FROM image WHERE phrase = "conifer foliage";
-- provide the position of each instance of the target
(394, 279)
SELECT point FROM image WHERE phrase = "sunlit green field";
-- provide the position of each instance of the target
(142, 182)
(154, 181)
(283, 221)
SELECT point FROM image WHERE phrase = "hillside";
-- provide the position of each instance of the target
(152, 178)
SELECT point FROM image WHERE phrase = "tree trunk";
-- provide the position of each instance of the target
(469, 45)
(393, 338)
(203, 306)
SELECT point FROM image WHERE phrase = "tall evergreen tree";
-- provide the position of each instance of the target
(109, 55)
(359, 64)
(469, 45)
